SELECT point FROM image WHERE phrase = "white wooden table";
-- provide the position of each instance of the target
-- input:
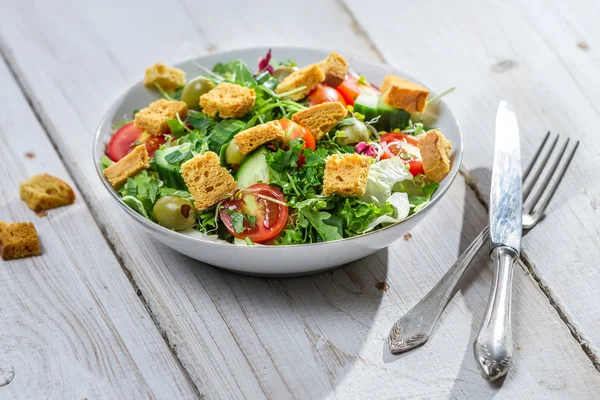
(106, 312)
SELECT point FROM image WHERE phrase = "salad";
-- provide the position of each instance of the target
(279, 155)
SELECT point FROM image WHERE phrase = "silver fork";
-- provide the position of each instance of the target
(415, 327)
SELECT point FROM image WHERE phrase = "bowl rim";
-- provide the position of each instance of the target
(159, 229)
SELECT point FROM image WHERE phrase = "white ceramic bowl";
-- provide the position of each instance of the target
(278, 260)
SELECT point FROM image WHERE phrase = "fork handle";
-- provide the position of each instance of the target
(414, 328)
(493, 346)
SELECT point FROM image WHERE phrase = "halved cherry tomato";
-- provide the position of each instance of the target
(294, 131)
(350, 89)
(128, 137)
(325, 94)
(254, 201)
(396, 144)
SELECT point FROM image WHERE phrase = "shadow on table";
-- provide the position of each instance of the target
(480, 266)
(312, 328)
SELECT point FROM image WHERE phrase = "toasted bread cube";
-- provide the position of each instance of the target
(228, 100)
(435, 152)
(128, 166)
(169, 78)
(402, 93)
(321, 118)
(309, 76)
(335, 67)
(346, 174)
(252, 138)
(153, 119)
(206, 180)
(18, 240)
(44, 191)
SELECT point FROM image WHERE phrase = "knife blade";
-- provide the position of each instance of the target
(506, 193)
(493, 346)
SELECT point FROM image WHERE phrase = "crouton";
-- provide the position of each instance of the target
(309, 76)
(128, 166)
(335, 67)
(250, 139)
(43, 192)
(401, 93)
(169, 78)
(346, 174)
(206, 180)
(18, 240)
(321, 118)
(435, 152)
(228, 100)
(153, 119)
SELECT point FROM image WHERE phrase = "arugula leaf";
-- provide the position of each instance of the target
(237, 220)
(223, 132)
(201, 121)
(176, 128)
(177, 157)
(178, 92)
(243, 76)
(166, 191)
(319, 221)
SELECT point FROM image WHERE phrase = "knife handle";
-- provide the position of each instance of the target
(493, 346)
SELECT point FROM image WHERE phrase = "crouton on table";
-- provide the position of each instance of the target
(228, 100)
(335, 67)
(402, 93)
(435, 152)
(44, 191)
(206, 180)
(321, 118)
(346, 174)
(250, 139)
(169, 78)
(153, 119)
(128, 166)
(18, 240)
(309, 76)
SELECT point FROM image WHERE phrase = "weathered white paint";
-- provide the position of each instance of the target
(543, 57)
(320, 336)
(72, 324)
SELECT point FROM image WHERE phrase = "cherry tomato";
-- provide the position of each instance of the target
(270, 217)
(128, 137)
(325, 94)
(396, 144)
(294, 131)
(350, 89)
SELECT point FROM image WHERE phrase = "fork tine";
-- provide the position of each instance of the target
(535, 156)
(546, 200)
(530, 183)
(532, 201)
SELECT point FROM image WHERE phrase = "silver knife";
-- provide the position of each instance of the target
(493, 346)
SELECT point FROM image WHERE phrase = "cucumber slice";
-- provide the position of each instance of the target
(169, 173)
(254, 169)
(372, 105)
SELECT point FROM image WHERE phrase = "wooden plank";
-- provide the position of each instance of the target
(72, 325)
(319, 336)
(543, 57)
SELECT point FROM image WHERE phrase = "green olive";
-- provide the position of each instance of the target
(174, 212)
(194, 89)
(233, 154)
(280, 73)
(354, 133)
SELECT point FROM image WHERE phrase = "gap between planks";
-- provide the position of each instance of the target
(103, 231)
(528, 265)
